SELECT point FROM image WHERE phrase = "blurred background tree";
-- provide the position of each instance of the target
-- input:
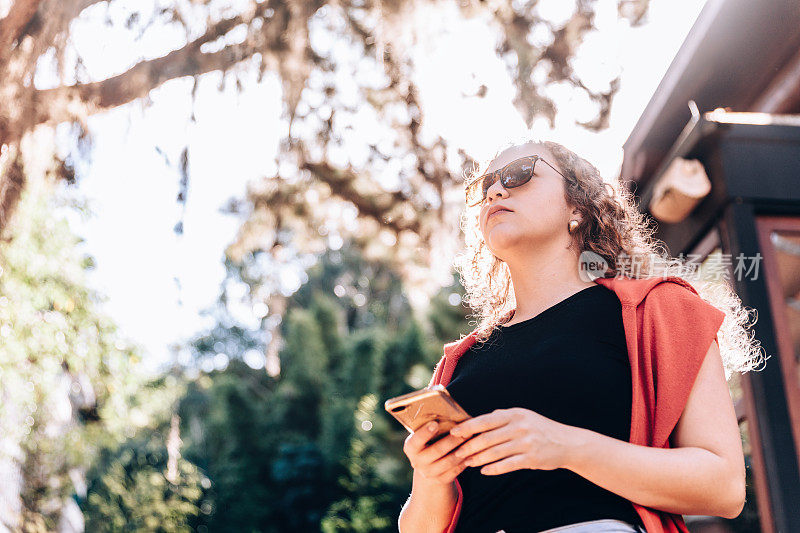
(313, 445)
(336, 61)
(70, 382)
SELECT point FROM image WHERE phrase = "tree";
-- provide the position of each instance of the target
(311, 446)
(130, 487)
(67, 374)
(43, 82)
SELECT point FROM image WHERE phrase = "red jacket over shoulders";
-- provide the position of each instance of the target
(668, 330)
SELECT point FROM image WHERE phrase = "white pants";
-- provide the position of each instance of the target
(604, 525)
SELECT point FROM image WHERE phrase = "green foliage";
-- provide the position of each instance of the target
(264, 477)
(311, 449)
(447, 314)
(128, 490)
(66, 373)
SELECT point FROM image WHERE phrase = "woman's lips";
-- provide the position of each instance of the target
(497, 213)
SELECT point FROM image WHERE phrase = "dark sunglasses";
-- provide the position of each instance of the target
(516, 173)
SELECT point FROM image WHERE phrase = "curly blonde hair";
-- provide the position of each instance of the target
(612, 227)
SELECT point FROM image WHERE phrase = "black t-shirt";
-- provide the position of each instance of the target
(568, 363)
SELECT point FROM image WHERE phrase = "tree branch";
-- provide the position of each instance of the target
(376, 206)
(11, 27)
(65, 103)
(44, 30)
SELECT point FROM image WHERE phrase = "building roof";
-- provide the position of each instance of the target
(734, 50)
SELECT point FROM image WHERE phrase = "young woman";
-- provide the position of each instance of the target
(556, 442)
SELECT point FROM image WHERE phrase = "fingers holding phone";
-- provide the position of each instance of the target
(430, 450)
(434, 458)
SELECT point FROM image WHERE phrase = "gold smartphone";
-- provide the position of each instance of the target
(419, 407)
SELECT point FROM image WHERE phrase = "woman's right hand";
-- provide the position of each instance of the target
(434, 462)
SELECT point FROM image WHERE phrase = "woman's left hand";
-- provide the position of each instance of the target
(513, 439)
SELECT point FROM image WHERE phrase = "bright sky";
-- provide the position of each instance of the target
(133, 189)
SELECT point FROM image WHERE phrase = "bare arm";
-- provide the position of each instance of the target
(433, 491)
(430, 506)
(703, 474)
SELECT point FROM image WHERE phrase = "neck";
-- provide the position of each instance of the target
(544, 277)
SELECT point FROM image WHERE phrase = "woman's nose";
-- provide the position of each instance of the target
(495, 189)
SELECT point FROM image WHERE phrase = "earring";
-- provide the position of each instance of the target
(572, 225)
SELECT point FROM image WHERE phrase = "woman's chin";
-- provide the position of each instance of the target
(501, 238)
